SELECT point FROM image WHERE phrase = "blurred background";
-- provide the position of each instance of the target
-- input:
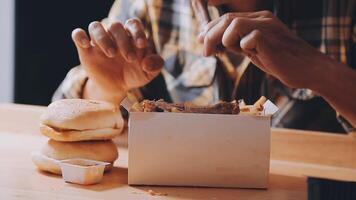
(36, 50)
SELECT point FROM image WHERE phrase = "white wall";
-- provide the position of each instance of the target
(7, 50)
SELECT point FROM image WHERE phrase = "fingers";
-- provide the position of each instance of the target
(137, 31)
(250, 41)
(229, 29)
(229, 17)
(123, 41)
(130, 39)
(214, 35)
(102, 39)
(238, 28)
(250, 46)
(80, 39)
(152, 64)
(206, 29)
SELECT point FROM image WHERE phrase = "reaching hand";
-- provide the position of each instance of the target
(118, 58)
(267, 42)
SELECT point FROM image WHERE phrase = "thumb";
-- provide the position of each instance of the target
(250, 42)
(152, 64)
(250, 45)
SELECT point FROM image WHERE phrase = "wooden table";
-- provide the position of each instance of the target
(294, 155)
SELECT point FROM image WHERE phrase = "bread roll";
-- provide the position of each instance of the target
(81, 114)
(74, 135)
(47, 159)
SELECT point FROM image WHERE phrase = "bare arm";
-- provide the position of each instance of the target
(337, 84)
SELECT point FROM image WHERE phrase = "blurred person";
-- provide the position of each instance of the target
(150, 49)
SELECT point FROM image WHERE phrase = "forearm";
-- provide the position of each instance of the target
(336, 83)
(92, 91)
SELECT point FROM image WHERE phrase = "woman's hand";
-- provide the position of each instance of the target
(267, 42)
(117, 58)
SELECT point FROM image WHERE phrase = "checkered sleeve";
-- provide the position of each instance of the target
(345, 124)
(72, 86)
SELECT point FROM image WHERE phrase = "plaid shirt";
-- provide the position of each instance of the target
(328, 25)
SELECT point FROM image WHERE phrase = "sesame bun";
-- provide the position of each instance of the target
(79, 119)
(47, 159)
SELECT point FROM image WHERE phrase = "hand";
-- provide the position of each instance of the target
(269, 44)
(118, 58)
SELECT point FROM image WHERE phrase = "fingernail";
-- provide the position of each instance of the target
(140, 43)
(111, 52)
(84, 42)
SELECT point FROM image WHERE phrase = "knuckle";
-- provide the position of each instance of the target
(257, 34)
(237, 23)
(208, 38)
(115, 26)
(226, 42)
(228, 16)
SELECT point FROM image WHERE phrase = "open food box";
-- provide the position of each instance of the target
(194, 149)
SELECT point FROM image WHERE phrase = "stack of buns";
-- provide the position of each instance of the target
(78, 128)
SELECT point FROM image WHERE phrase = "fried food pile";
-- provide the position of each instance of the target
(222, 107)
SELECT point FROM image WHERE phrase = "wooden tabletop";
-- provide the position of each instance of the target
(294, 154)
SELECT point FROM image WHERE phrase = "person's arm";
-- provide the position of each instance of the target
(336, 83)
(275, 49)
(93, 91)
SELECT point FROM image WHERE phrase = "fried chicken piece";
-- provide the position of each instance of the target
(219, 108)
(162, 106)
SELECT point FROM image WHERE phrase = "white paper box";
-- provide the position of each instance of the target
(187, 149)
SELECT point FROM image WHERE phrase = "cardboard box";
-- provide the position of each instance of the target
(188, 149)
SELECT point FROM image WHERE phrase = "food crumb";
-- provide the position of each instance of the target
(153, 193)
(135, 193)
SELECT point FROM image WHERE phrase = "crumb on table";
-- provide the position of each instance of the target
(153, 193)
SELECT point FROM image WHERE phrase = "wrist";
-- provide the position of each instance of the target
(326, 73)
(92, 90)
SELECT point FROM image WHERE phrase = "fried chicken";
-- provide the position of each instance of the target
(162, 106)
